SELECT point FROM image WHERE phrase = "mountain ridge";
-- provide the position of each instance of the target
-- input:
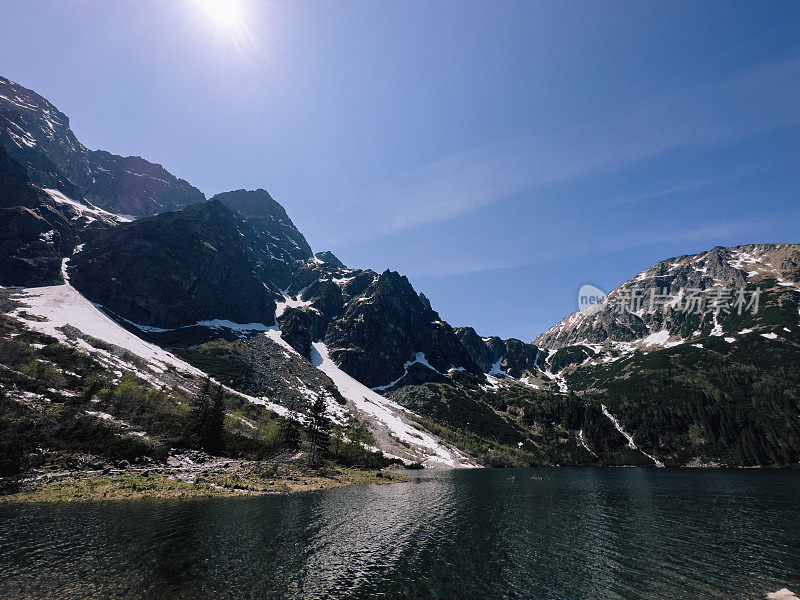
(36, 134)
(231, 287)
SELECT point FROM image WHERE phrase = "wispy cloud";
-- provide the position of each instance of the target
(749, 103)
(733, 229)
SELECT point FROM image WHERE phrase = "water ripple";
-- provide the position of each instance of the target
(609, 534)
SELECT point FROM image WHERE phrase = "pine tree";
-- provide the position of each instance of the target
(208, 418)
(200, 411)
(213, 442)
(292, 440)
(337, 438)
(319, 429)
(291, 434)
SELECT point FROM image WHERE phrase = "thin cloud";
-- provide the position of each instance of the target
(749, 103)
(734, 229)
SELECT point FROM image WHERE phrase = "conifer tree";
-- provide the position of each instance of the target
(199, 419)
(213, 442)
(319, 429)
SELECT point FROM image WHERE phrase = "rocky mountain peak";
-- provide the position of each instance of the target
(329, 258)
(252, 203)
(37, 135)
(749, 266)
(386, 328)
(277, 233)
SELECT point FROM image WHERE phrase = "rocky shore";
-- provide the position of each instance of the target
(191, 474)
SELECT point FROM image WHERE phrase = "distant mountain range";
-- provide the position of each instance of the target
(144, 274)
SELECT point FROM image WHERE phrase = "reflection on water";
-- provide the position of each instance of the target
(577, 533)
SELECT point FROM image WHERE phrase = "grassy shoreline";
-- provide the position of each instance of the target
(137, 486)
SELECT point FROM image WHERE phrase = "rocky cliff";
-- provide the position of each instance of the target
(38, 136)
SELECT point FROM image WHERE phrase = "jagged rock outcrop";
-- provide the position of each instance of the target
(296, 327)
(328, 258)
(520, 358)
(496, 356)
(484, 351)
(385, 327)
(37, 135)
(324, 296)
(278, 245)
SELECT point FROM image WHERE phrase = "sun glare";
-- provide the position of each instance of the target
(225, 15)
(231, 22)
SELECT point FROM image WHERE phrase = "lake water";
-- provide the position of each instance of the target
(576, 533)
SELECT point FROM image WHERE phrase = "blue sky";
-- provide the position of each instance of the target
(500, 154)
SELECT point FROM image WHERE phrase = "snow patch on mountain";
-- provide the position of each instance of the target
(57, 307)
(419, 358)
(631, 444)
(290, 302)
(89, 212)
(62, 305)
(583, 442)
(389, 414)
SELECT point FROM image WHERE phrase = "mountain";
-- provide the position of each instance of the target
(38, 136)
(495, 356)
(772, 267)
(229, 288)
(676, 386)
(225, 259)
(388, 335)
(277, 239)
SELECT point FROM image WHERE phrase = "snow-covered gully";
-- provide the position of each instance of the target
(389, 414)
(584, 444)
(631, 444)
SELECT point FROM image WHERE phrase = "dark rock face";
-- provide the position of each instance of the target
(329, 258)
(312, 321)
(484, 351)
(278, 245)
(130, 185)
(15, 187)
(326, 297)
(28, 255)
(34, 233)
(385, 326)
(176, 269)
(515, 357)
(357, 283)
(37, 135)
(295, 329)
(519, 358)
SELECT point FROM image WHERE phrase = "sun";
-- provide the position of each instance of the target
(225, 15)
(229, 21)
